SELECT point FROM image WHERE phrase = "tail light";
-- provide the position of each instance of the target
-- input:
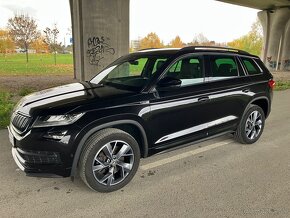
(271, 83)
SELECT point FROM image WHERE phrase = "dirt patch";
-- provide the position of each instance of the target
(16, 83)
(281, 76)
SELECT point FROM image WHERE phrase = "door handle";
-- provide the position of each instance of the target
(245, 90)
(203, 99)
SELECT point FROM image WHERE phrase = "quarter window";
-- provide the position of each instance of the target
(251, 66)
(189, 70)
(223, 67)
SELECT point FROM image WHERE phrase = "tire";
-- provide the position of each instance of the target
(109, 160)
(251, 125)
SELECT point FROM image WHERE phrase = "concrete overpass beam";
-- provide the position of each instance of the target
(275, 36)
(100, 34)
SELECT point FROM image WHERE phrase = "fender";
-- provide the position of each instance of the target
(258, 98)
(102, 126)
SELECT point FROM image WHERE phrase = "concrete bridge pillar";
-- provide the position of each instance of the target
(285, 57)
(276, 48)
(100, 34)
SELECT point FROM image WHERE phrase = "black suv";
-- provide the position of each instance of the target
(141, 104)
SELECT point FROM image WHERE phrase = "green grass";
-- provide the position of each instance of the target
(25, 91)
(6, 106)
(39, 64)
(282, 85)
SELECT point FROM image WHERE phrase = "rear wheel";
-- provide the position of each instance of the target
(251, 126)
(110, 160)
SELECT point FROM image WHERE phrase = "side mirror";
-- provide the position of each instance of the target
(168, 82)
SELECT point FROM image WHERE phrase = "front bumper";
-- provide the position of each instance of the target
(38, 156)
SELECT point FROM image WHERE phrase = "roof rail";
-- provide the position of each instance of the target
(144, 49)
(214, 48)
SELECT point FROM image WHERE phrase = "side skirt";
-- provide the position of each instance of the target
(155, 151)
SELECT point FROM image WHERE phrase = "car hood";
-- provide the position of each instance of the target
(68, 97)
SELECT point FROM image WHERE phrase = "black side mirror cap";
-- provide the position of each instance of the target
(168, 82)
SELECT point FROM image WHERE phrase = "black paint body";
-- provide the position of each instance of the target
(159, 118)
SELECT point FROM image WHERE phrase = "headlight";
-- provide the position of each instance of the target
(57, 120)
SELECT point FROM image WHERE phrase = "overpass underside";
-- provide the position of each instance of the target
(275, 19)
(101, 33)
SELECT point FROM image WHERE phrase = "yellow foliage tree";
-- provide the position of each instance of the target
(251, 42)
(176, 43)
(151, 41)
(6, 43)
(40, 46)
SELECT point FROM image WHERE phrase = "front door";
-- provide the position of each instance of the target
(179, 114)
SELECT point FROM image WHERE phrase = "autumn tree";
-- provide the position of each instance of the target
(151, 41)
(39, 45)
(6, 42)
(176, 43)
(50, 38)
(23, 30)
(251, 42)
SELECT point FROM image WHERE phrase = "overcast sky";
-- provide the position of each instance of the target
(218, 21)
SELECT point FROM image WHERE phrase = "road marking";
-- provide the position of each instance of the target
(184, 155)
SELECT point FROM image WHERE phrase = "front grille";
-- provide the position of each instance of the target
(20, 121)
(39, 157)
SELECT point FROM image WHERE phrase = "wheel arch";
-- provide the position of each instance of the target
(132, 127)
(262, 102)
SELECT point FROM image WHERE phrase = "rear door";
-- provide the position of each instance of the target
(228, 91)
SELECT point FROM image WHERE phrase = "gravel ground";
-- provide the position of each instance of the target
(281, 76)
(15, 83)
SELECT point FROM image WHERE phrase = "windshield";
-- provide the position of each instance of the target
(130, 74)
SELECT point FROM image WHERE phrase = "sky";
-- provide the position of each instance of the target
(218, 21)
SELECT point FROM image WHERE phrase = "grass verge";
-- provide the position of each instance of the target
(282, 85)
(6, 106)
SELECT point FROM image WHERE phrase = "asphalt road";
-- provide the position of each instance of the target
(216, 178)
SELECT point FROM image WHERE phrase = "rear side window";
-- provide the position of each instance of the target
(251, 66)
(223, 67)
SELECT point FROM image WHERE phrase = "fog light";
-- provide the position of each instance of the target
(57, 135)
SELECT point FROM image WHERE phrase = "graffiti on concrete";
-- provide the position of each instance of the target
(272, 64)
(98, 48)
(286, 64)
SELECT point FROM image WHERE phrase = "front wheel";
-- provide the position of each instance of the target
(110, 160)
(251, 126)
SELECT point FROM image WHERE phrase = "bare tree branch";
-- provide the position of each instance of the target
(50, 38)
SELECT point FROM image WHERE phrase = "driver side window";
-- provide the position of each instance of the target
(189, 70)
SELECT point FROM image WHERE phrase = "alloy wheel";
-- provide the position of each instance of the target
(253, 125)
(113, 163)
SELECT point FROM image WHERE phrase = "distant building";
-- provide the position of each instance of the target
(135, 45)
(20, 50)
